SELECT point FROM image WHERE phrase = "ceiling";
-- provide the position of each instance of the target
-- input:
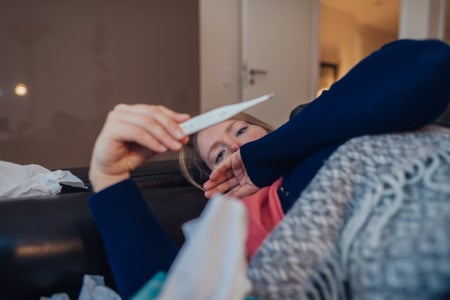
(379, 14)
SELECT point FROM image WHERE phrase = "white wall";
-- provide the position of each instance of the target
(421, 19)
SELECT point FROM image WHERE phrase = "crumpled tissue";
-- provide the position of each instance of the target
(33, 180)
(93, 288)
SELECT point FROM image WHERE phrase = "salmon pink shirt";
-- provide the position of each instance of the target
(264, 213)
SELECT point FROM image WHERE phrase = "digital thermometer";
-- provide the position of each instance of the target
(219, 114)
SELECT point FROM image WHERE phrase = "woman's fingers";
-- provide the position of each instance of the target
(158, 121)
(242, 191)
(131, 135)
(223, 187)
(219, 178)
(221, 173)
(137, 155)
(229, 175)
(123, 130)
(164, 115)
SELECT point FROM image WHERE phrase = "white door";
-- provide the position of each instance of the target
(279, 54)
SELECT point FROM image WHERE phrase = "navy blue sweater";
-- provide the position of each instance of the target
(403, 86)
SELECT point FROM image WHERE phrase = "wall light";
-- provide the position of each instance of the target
(21, 89)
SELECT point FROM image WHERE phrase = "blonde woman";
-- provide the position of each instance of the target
(402, 86)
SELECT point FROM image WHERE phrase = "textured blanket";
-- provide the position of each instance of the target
(373, 224)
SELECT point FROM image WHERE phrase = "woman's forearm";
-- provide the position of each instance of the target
(135, 243)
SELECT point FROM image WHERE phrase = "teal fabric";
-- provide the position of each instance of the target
(152, 288)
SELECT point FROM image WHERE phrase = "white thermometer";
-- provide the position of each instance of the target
(219, 114)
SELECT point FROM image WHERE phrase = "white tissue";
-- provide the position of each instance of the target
(59, 296)
(32, 180)
(94, 289)
(212, 264)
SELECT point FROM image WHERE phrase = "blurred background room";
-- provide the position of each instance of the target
(65, 64)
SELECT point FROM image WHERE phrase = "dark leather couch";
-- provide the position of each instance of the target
(47, 244)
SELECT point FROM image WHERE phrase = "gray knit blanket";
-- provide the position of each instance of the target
(373, 224)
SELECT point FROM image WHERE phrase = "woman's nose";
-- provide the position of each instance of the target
(235, 145)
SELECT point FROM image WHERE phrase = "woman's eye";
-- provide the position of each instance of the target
(241, 131)
(220, 156)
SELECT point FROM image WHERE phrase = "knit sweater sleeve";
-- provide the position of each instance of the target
(136, 245)
(402, 86)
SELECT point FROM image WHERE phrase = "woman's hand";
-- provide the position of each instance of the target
(230, 177)
(131, 135)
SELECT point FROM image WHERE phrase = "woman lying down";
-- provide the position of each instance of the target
(348, 199)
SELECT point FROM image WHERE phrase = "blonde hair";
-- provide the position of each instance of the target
(191, 164)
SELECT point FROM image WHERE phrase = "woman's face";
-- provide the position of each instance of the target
(217, 142)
